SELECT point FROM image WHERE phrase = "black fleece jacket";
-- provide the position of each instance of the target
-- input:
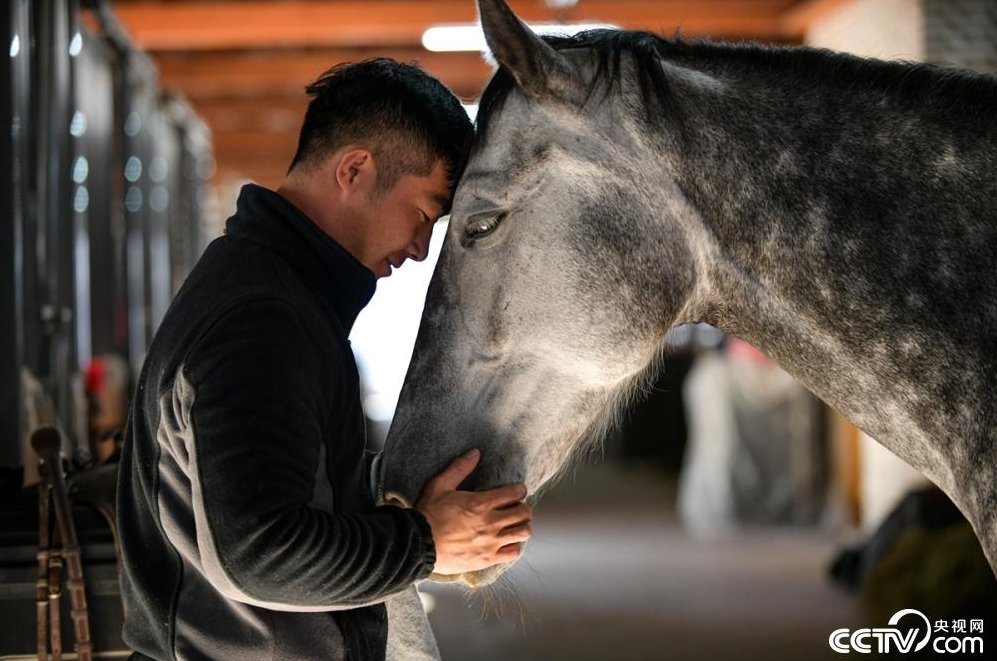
(248, 530)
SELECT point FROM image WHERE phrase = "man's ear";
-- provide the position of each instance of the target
(355, 170)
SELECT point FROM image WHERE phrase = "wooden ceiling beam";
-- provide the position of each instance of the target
(210, 75)
(798, 19)
(264, 176)
(184, 25)
(263, 113)
(268, 114)
(262, 155)
(244, 64)
(269, 145)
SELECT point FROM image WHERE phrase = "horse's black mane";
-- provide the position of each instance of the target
(914, 81)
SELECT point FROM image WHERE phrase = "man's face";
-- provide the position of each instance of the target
(400, 222)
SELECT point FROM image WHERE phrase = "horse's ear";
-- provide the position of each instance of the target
(538, 69)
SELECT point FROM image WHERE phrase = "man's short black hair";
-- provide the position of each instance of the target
(407, 118)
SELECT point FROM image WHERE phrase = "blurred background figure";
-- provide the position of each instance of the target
(756, 451)
(108, 388)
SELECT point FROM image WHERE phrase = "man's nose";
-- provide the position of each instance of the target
(419, 248)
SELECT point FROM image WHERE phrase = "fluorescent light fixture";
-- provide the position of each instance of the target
(469, 37)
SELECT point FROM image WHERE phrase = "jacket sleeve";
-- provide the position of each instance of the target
(252, 391)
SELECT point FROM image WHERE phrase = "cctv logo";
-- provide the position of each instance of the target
(913, 638)
(887, 638)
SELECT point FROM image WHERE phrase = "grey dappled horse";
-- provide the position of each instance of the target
(838, 213)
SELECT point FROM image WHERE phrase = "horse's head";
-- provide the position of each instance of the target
(564, 266)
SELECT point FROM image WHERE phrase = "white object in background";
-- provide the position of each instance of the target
(469, 36)
(384, 333)
(884, 480)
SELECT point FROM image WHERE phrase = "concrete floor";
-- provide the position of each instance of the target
(610, 575)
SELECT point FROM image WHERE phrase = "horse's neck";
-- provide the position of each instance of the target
(853, 241)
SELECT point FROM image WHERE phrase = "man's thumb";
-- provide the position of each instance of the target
(457, 471)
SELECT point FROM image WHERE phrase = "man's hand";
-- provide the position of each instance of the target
(473, 530)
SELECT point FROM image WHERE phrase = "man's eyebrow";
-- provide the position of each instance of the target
(441, 201)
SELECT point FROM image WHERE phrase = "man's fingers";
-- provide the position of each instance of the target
(517, 533)
(509, 553)
(474, 530)
(456, 472)
(505, 496)
(513, 515)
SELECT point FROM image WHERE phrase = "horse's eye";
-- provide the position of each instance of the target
(479, 228)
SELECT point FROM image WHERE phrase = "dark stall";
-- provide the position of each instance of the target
(104, 218)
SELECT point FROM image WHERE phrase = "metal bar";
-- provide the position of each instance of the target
(10, 238)
(55, 241)
(47, 442)
(44, 550)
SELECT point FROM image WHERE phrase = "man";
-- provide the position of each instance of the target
(248, 526)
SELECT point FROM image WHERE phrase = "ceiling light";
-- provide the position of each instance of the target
(469, 37)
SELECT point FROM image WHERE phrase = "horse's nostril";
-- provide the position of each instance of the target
(396, 499)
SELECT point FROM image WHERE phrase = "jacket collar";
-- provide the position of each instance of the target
(268, 219)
